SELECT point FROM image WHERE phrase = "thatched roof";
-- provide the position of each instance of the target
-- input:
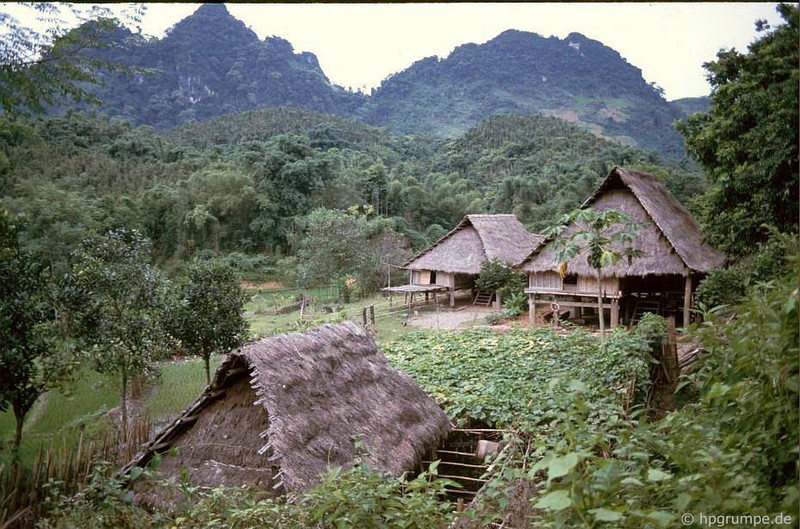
(283, 410)
(475, 240)
(670, 239)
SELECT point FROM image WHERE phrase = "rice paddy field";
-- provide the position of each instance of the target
(62, 418)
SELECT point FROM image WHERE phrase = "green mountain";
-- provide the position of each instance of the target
(210, 64)
(576, 79)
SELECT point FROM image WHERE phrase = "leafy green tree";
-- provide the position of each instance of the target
(748, 141)
(124, 307)
(37, 67)
(604, 236)
(336, 248)
(501, 277)
(209, 316)
(31, 359)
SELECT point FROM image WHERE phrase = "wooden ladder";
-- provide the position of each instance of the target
(644, 305)
(459, 461)
(483, 297)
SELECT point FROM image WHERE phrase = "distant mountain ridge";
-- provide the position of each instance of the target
(210, 64)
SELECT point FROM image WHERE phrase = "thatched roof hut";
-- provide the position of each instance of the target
(475, 240)
(670, 239)
(674, 256)
(454, 261)
(283, 410)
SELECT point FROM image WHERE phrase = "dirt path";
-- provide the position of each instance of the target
(447, 319)
(36, 412)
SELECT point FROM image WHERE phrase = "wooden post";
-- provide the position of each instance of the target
(532, 308)
(614, 312)
(687, 300)
(452, 297)
(671, 366)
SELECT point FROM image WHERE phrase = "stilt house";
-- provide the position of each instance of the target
(663, 280)
(283, 410)
(453, 262)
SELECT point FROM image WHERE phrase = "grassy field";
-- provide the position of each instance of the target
(57, 416)
(264, 321)
(62, 418)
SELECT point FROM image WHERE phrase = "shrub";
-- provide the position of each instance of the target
(509, 283)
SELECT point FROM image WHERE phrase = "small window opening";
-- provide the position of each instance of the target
(571, 279)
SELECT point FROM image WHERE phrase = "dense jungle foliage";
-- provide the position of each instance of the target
(248, 183)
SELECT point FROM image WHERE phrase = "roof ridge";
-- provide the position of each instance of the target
(644, 203)
(621, 173)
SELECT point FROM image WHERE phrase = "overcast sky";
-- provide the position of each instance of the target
(358, 45)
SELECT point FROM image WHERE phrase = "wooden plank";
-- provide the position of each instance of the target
(454, 453)
(455, 478)
(566, 293)
(459, 491)
(454, 464)
(480, 430)
(565, 303)
(216, 394)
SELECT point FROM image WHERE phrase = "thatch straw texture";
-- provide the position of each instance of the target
(670, 239)
(475, 240)
(315, 394)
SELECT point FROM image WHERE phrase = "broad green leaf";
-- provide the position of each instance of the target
(632, 481)
(664, 519)
(555, 501)
(717, 390)
(560, 466)
(606, 515)
(655, 474)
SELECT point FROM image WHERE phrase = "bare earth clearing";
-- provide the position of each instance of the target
(451, 319)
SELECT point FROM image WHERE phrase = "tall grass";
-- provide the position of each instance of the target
(63, 469)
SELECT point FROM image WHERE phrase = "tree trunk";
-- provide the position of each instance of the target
(124, 404)
(19, 416)
(600, 306)
(207, 361)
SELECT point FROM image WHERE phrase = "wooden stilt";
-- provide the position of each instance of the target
(532, 308)
(687, 300)
(614, 312)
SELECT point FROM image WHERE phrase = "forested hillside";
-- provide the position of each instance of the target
(210, 64)
(247, 182)
(577, 79)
